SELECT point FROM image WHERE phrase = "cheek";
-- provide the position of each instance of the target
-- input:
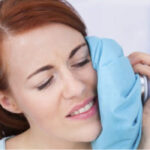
(39, 106)
(93, 76)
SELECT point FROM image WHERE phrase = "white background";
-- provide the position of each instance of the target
(126, 21)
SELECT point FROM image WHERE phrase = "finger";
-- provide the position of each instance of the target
(139, 57)
(142, 69)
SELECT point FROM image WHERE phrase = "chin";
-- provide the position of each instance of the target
(88, 133)
(91, 135)
(91, 131)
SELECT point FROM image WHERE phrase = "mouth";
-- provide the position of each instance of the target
(85, 110)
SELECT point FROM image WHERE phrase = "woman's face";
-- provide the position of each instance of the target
(52, 79)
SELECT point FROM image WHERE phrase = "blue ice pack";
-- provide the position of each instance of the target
(119, 96)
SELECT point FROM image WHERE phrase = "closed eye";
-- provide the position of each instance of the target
(45, 84)
(81, 63)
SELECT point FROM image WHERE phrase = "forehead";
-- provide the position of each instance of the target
(34, 48)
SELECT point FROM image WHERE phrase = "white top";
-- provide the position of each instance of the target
(3, 143)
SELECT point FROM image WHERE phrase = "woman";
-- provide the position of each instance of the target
(44, 66)
(51, 81)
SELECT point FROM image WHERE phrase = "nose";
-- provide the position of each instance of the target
(73, 86)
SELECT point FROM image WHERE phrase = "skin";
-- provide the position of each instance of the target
(46, 109)
(140, 63)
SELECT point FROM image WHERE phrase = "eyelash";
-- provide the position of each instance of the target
(45, 84)
(81, 64)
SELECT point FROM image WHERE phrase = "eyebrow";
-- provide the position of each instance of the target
(76, 49)
(48, 67)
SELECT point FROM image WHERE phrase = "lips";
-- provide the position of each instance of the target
(78, 107)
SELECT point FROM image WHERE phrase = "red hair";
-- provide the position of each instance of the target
(18, 16)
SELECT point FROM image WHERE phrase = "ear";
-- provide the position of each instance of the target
(9, 103)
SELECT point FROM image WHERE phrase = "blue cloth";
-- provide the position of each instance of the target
(119, 96)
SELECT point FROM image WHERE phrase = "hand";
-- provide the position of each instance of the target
(140, 63)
